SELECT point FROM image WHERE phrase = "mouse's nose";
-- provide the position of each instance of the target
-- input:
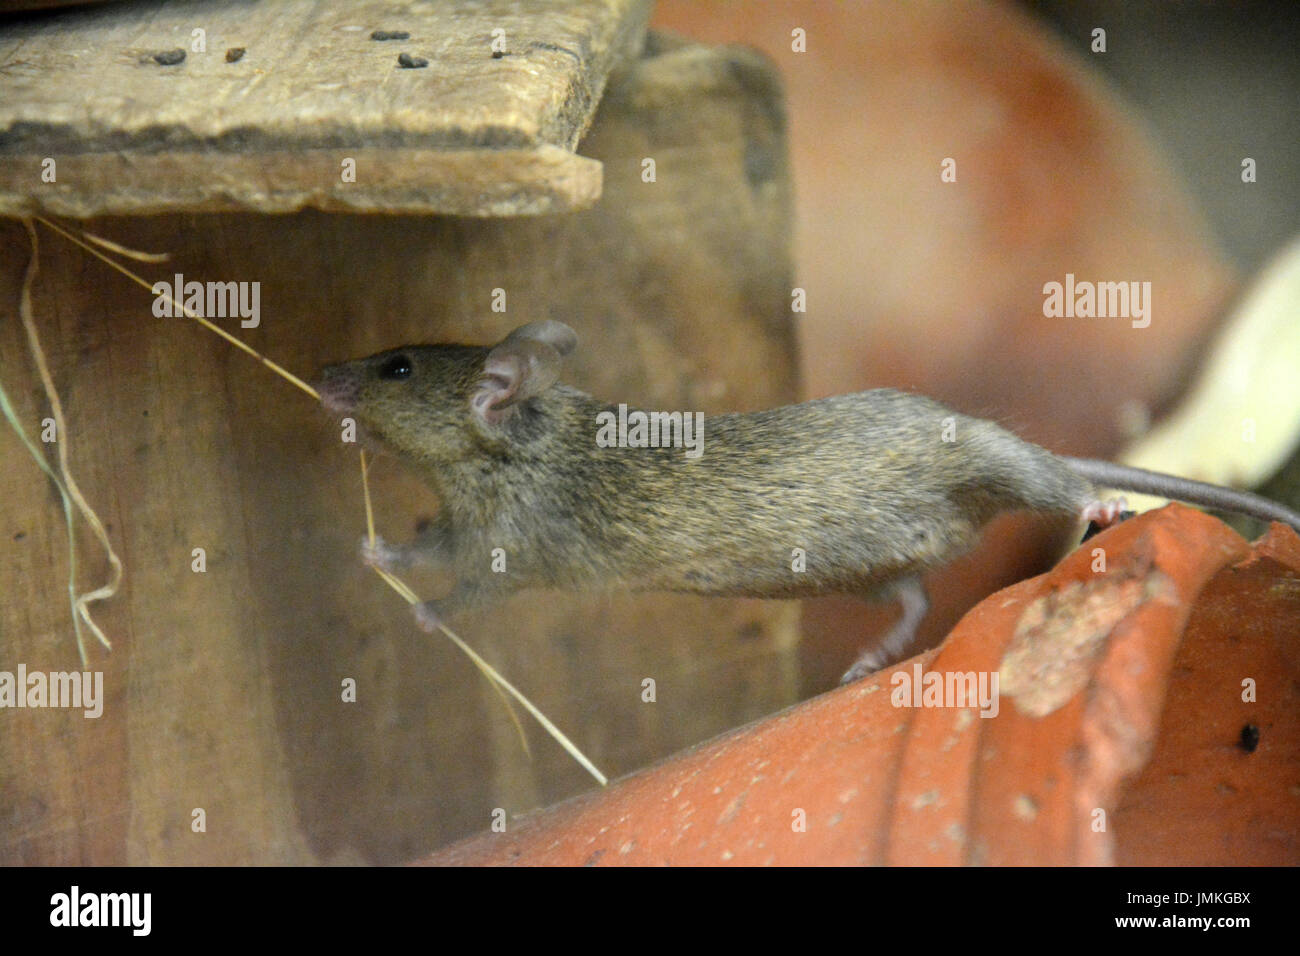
(339, 387)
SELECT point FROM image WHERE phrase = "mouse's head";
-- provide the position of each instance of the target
(436, 403)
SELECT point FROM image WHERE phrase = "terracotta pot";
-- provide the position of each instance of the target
(1120, 735)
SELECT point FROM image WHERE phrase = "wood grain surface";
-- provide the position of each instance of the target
(223, 689)
(479, 130)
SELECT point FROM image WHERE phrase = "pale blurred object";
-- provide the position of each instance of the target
(1239, 422)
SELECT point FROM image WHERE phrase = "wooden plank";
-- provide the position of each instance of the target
(471, 133)
(224, 687)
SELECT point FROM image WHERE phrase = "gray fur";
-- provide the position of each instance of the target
(865, 484)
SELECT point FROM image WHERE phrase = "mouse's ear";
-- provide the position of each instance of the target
(524, 364)
(555, 334)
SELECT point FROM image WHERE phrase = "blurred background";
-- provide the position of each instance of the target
(1212, 81)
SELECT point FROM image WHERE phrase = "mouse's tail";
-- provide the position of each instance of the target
(1107, 474)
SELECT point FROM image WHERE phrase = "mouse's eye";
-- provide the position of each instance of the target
(397, 367)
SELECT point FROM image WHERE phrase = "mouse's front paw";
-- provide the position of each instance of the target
(383, 555)
(427, 616)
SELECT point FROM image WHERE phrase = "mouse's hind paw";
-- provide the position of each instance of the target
(1104, 513)
(384, 556)
(1101, 515)
(900, 641)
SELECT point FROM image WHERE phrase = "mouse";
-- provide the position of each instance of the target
(857, 494)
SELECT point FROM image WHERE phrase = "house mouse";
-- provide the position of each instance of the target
(851, 494)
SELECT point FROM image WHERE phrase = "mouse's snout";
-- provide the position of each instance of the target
(339, 387)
